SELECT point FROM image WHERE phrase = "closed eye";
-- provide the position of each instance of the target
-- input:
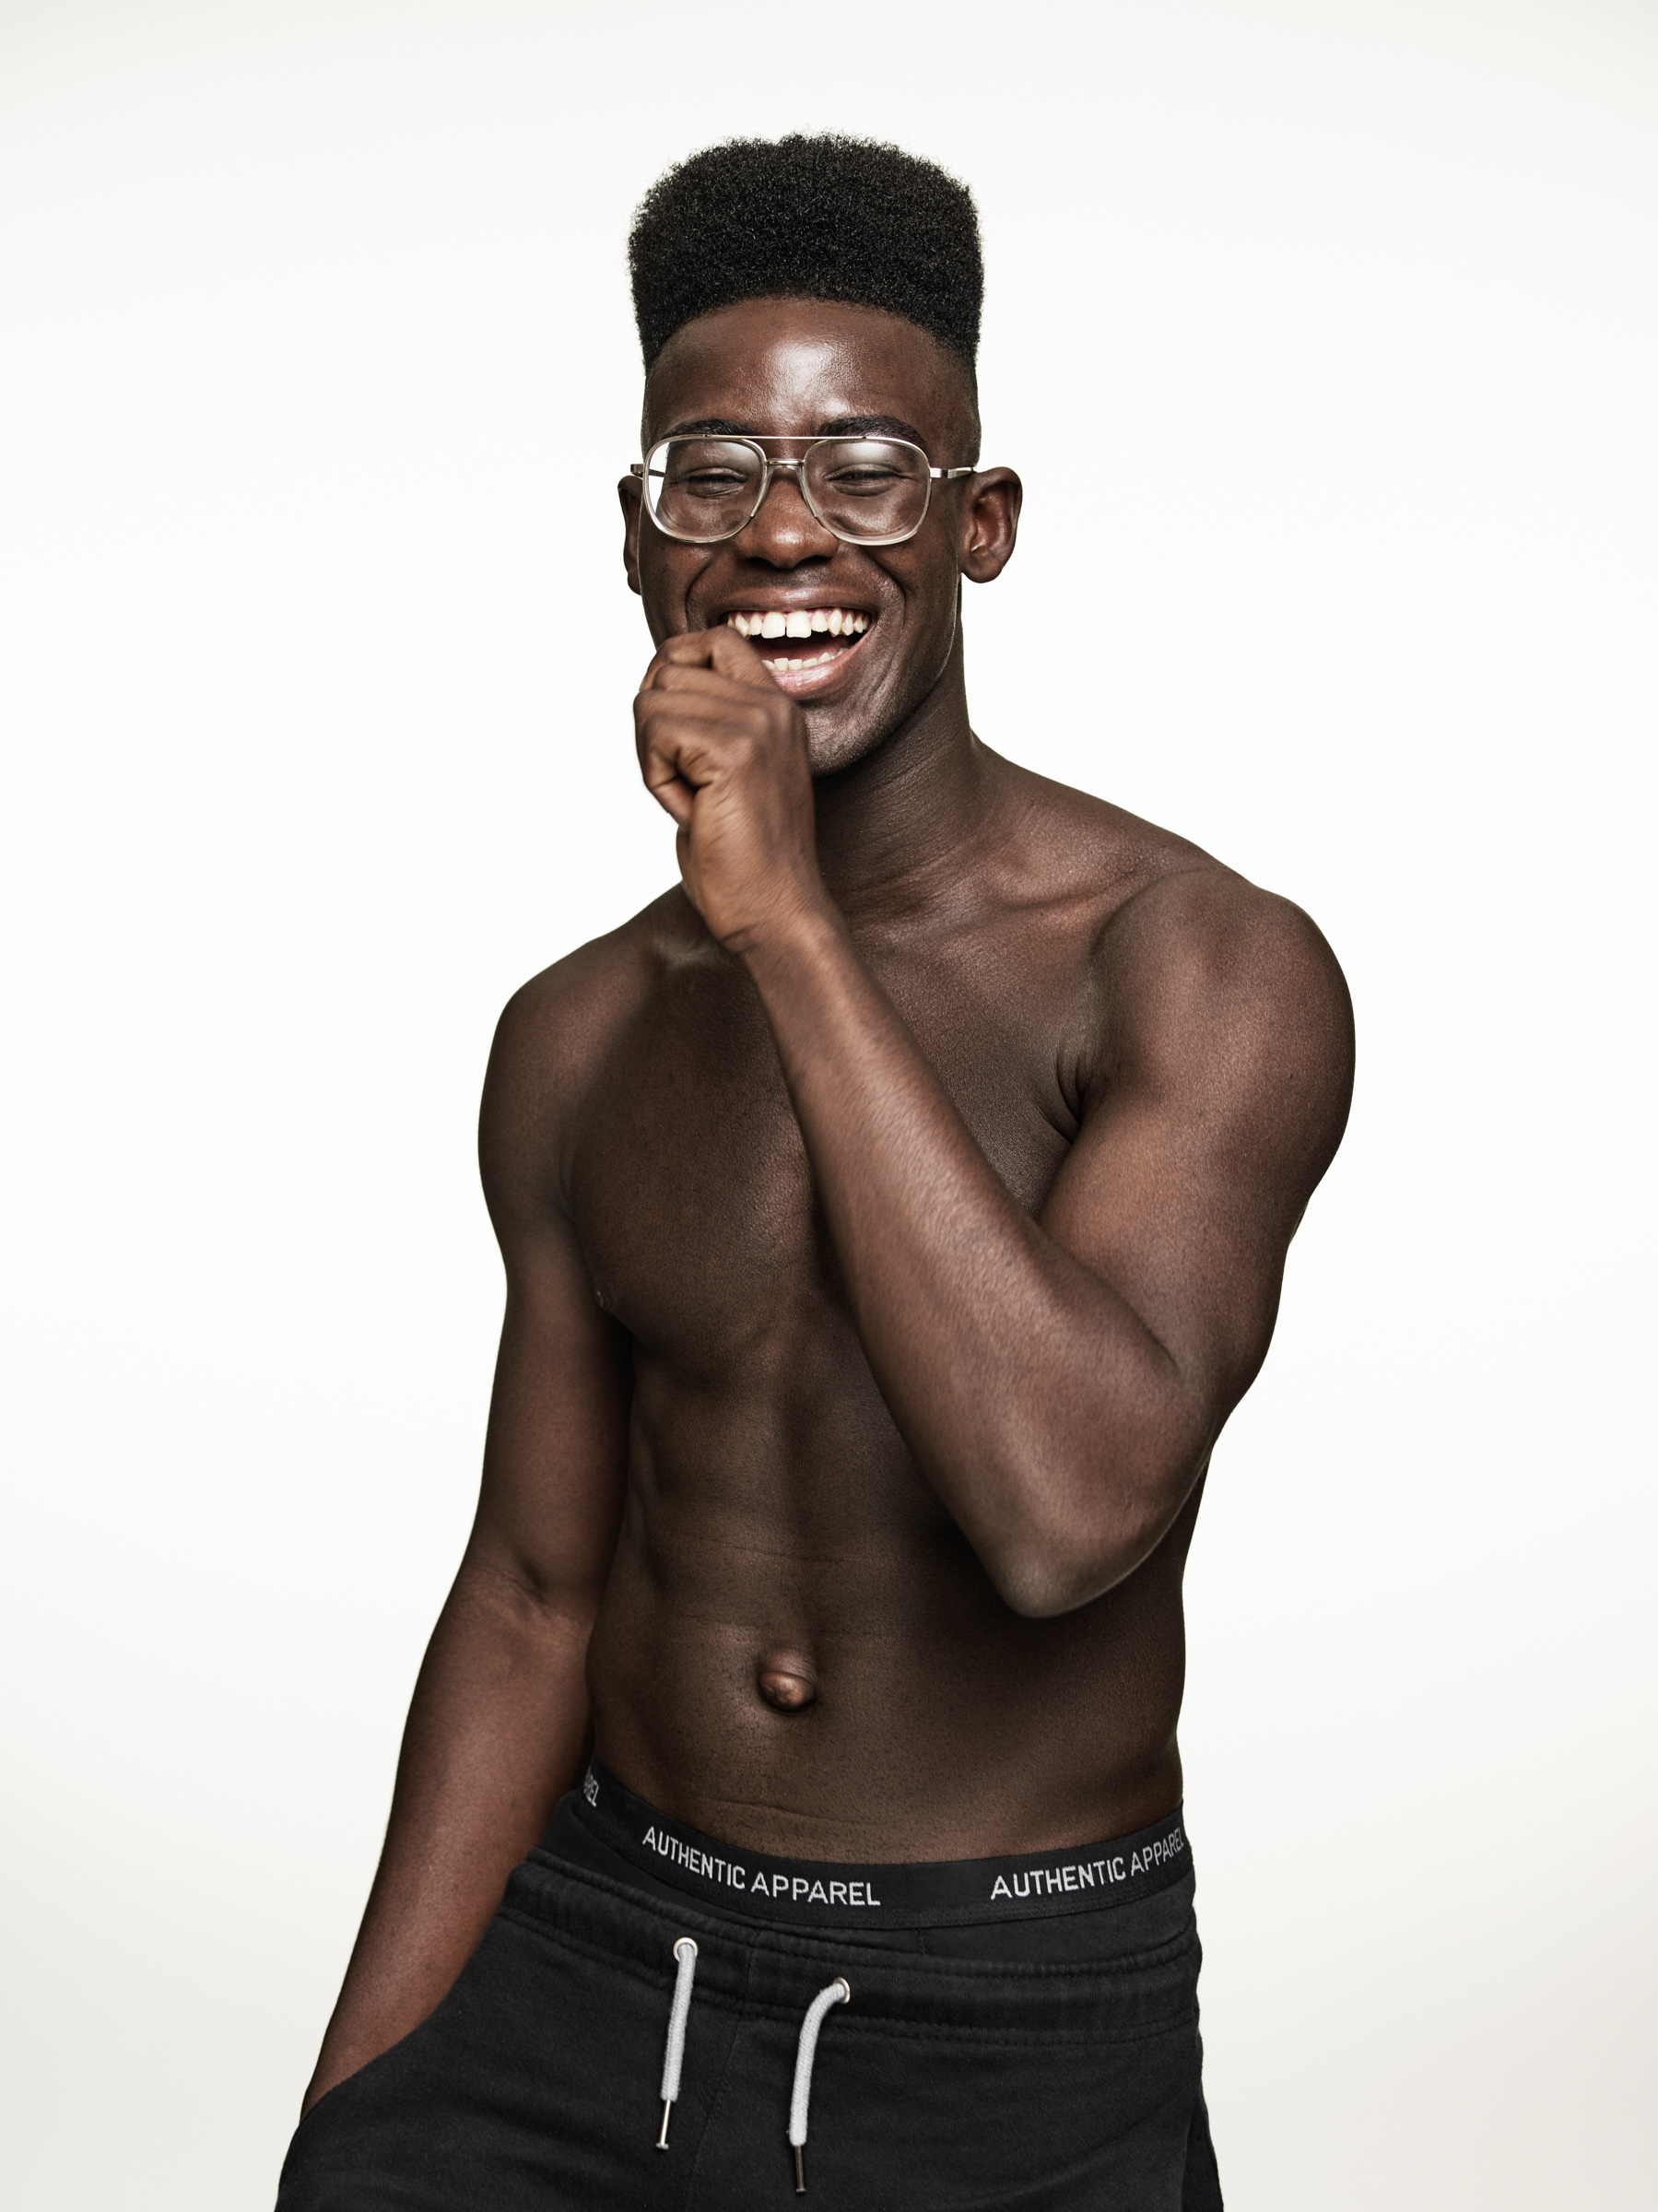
(864, 480)
(712, 482)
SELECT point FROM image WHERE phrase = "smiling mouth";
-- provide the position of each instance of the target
(827, 633)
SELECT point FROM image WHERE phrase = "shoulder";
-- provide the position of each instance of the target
(553, 1036)
(1203, 929)
(554, 1024)
(1162, 914)
(1198, 979)
(1225, 1004)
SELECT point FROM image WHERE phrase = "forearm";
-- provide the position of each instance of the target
(496, 1731)
(1051, 1421)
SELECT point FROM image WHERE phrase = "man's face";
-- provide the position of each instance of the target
(799, 370)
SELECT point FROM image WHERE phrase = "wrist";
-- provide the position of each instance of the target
(804, 933)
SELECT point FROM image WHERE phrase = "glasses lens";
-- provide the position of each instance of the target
(702, 487)
(868, 488)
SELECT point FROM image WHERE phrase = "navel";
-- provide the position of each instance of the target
(784, 1681)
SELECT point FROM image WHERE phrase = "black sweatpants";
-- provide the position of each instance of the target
(1061, 2069)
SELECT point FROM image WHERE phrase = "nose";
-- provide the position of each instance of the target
(783, 531)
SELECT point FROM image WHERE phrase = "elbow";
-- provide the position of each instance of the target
(1054, 1561)
(1040, 1582)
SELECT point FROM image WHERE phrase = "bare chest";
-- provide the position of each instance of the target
(692, 1186)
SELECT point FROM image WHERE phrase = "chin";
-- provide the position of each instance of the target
(831, 750)
(842, 732)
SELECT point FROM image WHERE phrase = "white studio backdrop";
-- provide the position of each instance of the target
(1326, 338)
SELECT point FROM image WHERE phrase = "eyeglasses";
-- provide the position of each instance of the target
(870, 491)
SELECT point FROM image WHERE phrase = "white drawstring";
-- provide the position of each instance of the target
(822, 2004)
(672, 2058)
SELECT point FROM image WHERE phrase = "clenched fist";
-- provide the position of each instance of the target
(724, 751)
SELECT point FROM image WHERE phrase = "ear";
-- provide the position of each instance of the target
(632, 510)
(990, 523)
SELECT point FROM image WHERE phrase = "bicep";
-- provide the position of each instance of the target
(1219, 1102)
(555, 1455)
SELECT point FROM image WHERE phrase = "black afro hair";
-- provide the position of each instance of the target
(807, 219)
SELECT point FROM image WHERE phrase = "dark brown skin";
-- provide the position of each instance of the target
(892, 1217)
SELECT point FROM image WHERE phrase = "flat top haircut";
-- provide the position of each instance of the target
(808, 218)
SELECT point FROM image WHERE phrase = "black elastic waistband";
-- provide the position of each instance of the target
(900, 1894)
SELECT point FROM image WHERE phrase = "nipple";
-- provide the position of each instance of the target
(783, 1681)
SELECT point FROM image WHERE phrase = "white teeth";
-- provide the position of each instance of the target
(800, 622)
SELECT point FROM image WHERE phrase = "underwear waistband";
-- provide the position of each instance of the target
(894, 1894)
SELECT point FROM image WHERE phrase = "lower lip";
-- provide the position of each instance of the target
(806, 683)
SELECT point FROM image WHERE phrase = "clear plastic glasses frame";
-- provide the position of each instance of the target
(652, 476)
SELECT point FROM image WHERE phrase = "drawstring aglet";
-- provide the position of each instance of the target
(800, 2170)
(661, 2141)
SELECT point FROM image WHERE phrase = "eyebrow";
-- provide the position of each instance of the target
(837, 426)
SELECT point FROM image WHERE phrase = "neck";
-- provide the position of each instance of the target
(910, 812)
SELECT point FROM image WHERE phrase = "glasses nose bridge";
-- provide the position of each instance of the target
(774, 469)
(773, 473)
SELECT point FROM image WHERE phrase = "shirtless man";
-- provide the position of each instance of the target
(893, 1213)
